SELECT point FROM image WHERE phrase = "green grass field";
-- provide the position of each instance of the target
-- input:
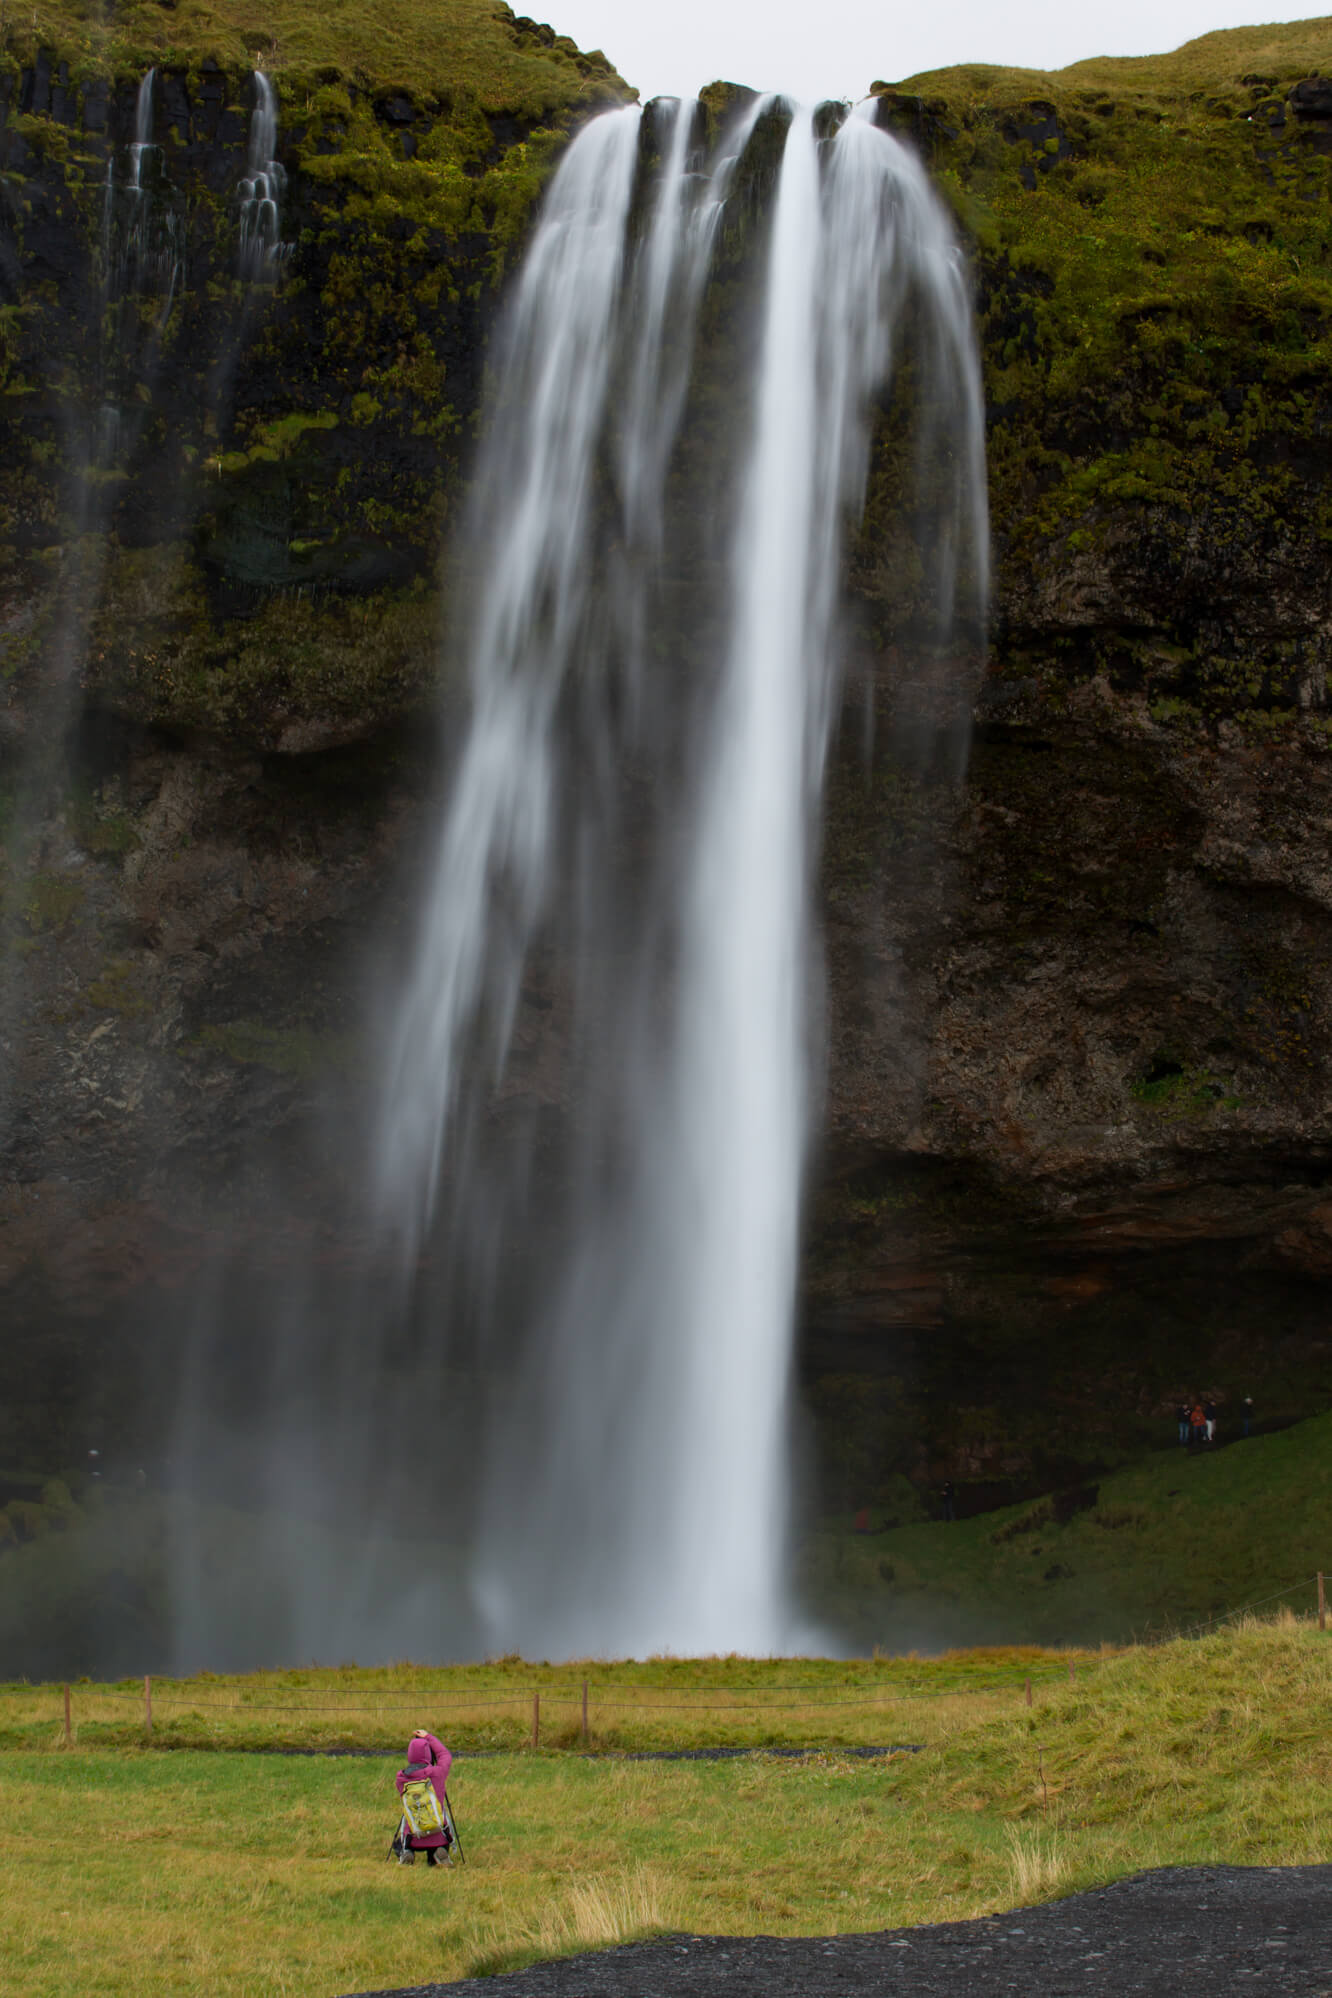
(133, 1872)
(664, 1704)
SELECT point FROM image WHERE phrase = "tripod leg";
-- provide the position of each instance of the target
(453, 1829)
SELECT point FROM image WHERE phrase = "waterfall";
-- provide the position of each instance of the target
(261, 251)
(141, 230)
(531, 519)
(637, 798)
(143, 127)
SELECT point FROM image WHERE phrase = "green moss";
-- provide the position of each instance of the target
(428, 48)
(117, 989)
(280, 439)
(293, 1051)
(341, 666)
(1175, 1090)
(1156, 305)
(102, 829)
(50, 901)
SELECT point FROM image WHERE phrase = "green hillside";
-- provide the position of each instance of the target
(1155, 296)
(434, 50)
(1176, 1540)
(1283, 51)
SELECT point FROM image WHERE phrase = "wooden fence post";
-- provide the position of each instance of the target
(1322, 1602)
(1071, 1673)
(536, 1720)
(147, 1704)
(585, 1710)
(68, 1733)
(1029, 1692)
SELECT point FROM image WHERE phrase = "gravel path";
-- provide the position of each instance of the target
(1213, 1929)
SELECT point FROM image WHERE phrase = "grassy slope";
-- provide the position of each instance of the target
(427, 46)
(1175, 1539)
(1280, 50)
(238, 1874)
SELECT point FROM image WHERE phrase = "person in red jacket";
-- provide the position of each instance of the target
(427, 1757)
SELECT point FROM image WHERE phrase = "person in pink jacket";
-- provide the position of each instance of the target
(427, 1756)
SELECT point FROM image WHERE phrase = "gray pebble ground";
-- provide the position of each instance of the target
(1215, 1929)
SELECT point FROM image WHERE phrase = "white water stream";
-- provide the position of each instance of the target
(635, 1480)
(260, 250)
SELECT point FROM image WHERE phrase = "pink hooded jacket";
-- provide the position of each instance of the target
(426, 1756)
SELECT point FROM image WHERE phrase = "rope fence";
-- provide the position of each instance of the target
(586, 1697)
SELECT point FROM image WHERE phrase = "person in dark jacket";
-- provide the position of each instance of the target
(1182, 1418)
(428, 1757)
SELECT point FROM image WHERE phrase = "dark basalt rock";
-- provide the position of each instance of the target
(396, 109)
(175, 105)
(1079, 1031)
(1312, 98)
(96, 96)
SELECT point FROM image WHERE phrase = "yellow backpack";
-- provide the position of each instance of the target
(421, 1807)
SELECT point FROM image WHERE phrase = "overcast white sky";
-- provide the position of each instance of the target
(837, 48)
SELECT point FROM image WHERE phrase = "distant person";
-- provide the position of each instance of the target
(949, 1497)
(1198, 1422)
(1246, 1413)
(425, 1810)
(1209, 1417)
(862, 1524)
(1182, 1418)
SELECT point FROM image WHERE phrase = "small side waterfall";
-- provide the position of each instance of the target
(142, 237)
(261, 251)
(638, 791)
(136, 282)
(143, 126)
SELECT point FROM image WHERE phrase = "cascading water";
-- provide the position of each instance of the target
(261, 250)
(140, 266)
(142, 246)
(143, 125)
(634, 1457)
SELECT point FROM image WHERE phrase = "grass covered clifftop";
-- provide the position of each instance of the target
(1155, 293)
(1150, 242)
(432, 47)
(1214, 62)
(268, 527)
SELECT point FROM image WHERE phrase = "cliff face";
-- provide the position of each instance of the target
(256, 461)
(1080, 1025)
(1079, 1116)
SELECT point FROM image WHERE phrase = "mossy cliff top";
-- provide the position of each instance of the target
(432, 48)
(1222, 62)
(1154, 281)
(294, 442)
(1150, 238)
